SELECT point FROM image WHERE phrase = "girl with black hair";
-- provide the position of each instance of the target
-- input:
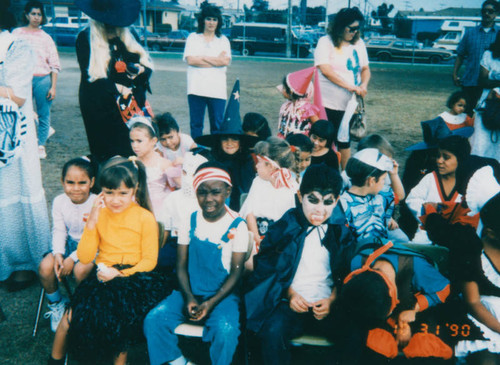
(322, 136)
(121, 234)
(437, 191)
(207, 53)
(255, 124)
(70, 211)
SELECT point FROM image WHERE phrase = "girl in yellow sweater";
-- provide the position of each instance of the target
(121, 237)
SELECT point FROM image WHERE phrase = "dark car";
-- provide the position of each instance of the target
(387, 49)
(173, 41)
(63, 36)
(249, 38)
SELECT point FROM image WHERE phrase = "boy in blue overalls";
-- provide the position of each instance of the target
(210, 258)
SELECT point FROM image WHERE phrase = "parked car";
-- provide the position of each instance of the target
(387, 49)
(63, 36)
(248, 38)
(68, 22)
(173, 41)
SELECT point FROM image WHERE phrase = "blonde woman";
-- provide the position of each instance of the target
(115, 75)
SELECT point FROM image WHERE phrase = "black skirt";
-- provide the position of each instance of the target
(107, 318)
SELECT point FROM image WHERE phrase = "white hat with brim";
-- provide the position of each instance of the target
(374, 158)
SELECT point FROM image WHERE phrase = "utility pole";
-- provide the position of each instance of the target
(144, 20)
(289, 31)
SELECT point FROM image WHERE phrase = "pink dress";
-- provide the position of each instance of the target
(294, 117)
(160, 184)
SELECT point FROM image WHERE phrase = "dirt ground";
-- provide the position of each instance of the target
(400, 96)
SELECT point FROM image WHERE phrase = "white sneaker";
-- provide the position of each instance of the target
(51, 132)
(55, 313)
(42, 154)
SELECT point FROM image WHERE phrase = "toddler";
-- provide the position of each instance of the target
(297, 114)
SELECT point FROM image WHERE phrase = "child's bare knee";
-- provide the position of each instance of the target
(46, 268)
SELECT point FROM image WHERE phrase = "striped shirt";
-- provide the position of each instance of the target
(472, 47)
(366, 215)
(47, 58)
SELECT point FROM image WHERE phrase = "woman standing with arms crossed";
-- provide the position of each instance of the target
(207, 54)
(115, 75)
(47, 68)
(343, 61)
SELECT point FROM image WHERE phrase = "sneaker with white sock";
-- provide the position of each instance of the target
(55, 313)
(42, 154)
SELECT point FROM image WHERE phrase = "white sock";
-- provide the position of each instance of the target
(179, 361)
(54, 297)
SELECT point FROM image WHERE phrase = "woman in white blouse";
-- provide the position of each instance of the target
(207, 54)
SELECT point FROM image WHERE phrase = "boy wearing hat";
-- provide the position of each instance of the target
(210, 255)
(364, 207)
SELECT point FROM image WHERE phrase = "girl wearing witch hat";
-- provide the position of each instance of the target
(298, 113)
(230, 146)
(115, 75)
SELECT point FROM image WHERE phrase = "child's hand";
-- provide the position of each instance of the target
(202, 311)
(395, 169)
(192, 308)
(407, 316)
(178, 161)
(392, 225)
(297, 302)
(321, 308)
(94, 212)
(109, 274)
(58, 265)
(403, 335)
(67, 269)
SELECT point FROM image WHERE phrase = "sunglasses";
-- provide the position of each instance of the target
(488, 11)
(352, 29)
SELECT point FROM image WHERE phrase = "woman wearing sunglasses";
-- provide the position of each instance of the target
(343, 61)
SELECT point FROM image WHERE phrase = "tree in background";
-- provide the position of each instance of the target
(382, 14)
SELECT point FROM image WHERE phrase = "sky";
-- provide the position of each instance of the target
(334, 5)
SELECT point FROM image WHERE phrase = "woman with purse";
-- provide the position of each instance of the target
(343, 61)
(115, 75)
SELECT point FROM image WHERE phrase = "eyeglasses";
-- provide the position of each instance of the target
(352, 29)
(488, 11)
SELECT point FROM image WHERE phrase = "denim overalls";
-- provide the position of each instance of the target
(206, 276)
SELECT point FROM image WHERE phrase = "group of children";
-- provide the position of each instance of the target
(181, 232)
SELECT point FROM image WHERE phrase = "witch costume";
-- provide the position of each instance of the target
(104, 109)
(240, 165)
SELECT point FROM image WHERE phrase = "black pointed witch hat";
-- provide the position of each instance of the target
(231, 125)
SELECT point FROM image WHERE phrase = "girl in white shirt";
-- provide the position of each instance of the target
(69, 215)
(273, 191)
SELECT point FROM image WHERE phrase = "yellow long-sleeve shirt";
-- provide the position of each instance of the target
(126, 238)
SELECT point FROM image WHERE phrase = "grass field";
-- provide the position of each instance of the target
(400, 96)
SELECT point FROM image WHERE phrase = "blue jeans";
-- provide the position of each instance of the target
(282, 326)
(197, 106)
(41, 86)
(221, 329)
